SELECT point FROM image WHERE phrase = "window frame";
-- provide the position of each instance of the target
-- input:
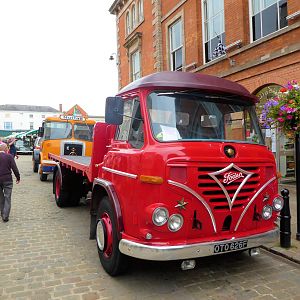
(127, 23)
(5, 127)
(128, 125)
(140, 10)
(251, 14)
(133, 17)
(173, 51)
(133, 74)
(208, 60)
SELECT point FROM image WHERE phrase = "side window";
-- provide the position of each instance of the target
(136, 135)
(123, 129)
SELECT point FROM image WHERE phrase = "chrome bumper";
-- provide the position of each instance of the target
(146, 252)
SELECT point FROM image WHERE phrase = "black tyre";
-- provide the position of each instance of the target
(35, 166)
(43, 177)
(62, 196)
(112, 260)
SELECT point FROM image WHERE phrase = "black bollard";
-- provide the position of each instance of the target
(285, 220)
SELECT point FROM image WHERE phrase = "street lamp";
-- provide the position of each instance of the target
(114, 56)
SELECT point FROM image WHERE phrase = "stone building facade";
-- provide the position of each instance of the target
(253, 42)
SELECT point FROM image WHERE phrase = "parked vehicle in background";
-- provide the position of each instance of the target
(69, 134)
(36, 154)
(182, 172)
(23, 146)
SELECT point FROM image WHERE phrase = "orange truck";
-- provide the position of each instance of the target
(70, 133)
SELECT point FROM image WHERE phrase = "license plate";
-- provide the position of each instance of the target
(230, 246)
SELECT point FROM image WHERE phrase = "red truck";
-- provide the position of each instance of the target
(178, 171)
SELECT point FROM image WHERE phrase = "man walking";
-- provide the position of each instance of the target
(7, 164)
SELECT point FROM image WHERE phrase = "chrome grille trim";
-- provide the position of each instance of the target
(231, 166)
(189, 190)
(251, 201)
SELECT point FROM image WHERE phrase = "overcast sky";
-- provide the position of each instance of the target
(57, 51)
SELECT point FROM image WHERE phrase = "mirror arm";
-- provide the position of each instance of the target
(132, 117)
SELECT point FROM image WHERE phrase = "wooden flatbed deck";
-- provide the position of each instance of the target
(75, 163)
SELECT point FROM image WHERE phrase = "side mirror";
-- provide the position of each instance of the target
(41, 131)
(114, 110)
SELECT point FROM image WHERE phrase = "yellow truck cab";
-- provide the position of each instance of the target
(69, 134)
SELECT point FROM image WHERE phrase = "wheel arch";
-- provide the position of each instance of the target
(103, 188)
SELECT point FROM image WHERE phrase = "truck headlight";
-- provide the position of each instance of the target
(277, 203)
(160, 216)
(267, 212)
(175, 222)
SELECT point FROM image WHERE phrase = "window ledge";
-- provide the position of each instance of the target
(249, 46)
(272, 36)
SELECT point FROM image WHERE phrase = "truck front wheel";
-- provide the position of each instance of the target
(112, 260)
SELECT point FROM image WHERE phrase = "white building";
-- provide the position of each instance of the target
(24, 117)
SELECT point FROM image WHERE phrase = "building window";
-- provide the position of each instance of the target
(268, 16)
(133, 16)
(140, 10)
(135, 65)
(7, 125)
(31, 116)
(31, 125)
(176, 46)
(214, 27)
(128, 25)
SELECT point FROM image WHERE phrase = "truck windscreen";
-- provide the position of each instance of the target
(57, 130)
(194, 116)
(83, 131)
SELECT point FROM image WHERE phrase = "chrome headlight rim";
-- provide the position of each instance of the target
(170, 221)
(265, 208)
(154, 214)
(277, 198)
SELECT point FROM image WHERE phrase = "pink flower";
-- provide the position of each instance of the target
(280, 120)
(289, 117)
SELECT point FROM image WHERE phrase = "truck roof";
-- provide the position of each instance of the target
(188, 80)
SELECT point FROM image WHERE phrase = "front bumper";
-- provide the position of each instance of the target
(164, 253)
(47, 166)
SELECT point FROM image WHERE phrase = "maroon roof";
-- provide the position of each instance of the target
(187, 80)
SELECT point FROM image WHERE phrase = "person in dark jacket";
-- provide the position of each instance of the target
(7, 164)
(12, 147)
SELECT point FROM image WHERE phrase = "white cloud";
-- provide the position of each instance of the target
(56, 51)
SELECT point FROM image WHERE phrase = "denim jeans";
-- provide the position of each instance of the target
(5, 198)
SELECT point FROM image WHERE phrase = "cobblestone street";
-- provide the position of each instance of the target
(45, 253)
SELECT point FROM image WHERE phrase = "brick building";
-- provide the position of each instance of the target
(261, 39)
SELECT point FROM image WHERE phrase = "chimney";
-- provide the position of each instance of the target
(60, 107)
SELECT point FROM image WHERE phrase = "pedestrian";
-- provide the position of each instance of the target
(7, 164)
(12, 147)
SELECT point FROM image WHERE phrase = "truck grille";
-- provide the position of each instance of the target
(73, 149)
(213, 193)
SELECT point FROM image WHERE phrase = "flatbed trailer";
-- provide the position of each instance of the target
(178, 171)
(81, 164)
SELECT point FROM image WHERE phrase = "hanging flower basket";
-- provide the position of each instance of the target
(283, 110)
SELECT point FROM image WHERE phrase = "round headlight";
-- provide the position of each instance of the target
(160, 216)
(175, 222)
(277, 203)
(267, 212)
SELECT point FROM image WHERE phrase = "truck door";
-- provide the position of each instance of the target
(122, 162)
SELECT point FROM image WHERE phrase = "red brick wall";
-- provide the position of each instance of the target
(237, 27)
(147, 60)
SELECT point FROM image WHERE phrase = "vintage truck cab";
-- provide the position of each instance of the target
(186, 173)
(69, 134)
